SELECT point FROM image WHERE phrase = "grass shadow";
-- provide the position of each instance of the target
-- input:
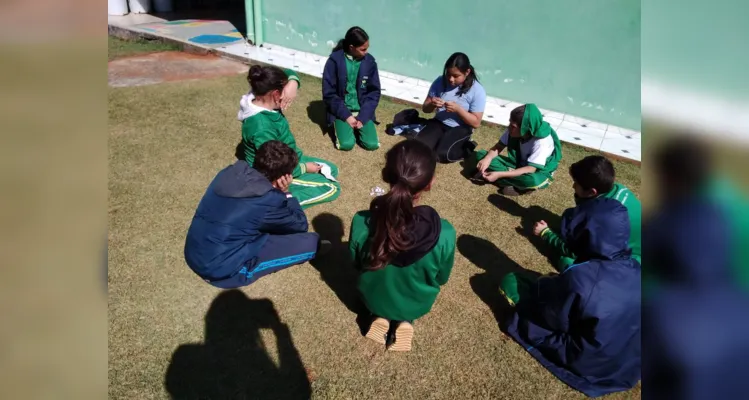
(496, 264)
(528, 217)
(335, 267)
(233, 362)
(318, 113)
(239, 151)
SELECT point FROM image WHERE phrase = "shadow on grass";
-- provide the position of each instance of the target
(317, 113)
(496, 264)
(335, 267)
(233, 361)
(239, 152)
(528, 217)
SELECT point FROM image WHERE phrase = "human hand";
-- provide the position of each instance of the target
(289, 93)
(313, 167)
(491, 176)
(351, 121)
(283, 183)
(539, 227)
(451, 106)
(359, 125)
(484, 164)
(438, 102)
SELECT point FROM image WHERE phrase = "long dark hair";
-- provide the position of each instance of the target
(266, 79)
(463, 64)
(409, 169)
(355, 36)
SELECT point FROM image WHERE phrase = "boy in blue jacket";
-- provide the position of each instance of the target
(247, 225)
(351, 91)
(583, 325)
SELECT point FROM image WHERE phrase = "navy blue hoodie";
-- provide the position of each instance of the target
(233, 220)
(583, 325)
(334, 88)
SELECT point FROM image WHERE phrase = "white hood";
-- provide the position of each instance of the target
(247, 109)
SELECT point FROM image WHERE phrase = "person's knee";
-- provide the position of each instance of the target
(345, 144)
(370, 146)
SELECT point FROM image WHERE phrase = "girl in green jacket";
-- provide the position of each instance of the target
(262, 121)
(405, 251)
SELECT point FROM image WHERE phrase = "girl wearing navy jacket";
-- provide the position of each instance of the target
(351, 91)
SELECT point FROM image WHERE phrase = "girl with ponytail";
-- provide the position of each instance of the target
(404, 250)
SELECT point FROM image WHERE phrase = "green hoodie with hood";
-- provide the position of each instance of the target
(407, 287)
(534, 126)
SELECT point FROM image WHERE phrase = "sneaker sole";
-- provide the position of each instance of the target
(403, 337)
(378, 330)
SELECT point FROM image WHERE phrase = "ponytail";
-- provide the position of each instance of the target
(409, 169)
(392, 213)
(355, 37)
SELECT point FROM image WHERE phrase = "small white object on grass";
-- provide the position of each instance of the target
(376, 191)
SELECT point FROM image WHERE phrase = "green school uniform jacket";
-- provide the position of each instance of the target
(405, 289)
(264, 126)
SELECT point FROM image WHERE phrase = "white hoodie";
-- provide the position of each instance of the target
(247, 109)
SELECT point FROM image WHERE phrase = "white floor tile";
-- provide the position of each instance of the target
(385, 74)
(584, 130)
(553, 121)
(553, 114)
(621, 131)
(578, 138)
(585, 122)
(423, 83)
(496, 114)
(622, 146)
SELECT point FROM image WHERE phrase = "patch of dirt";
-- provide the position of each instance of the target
(149, 69)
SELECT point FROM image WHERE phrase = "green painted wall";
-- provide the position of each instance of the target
(575, 56)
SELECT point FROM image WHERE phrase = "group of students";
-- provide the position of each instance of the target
(582, 323)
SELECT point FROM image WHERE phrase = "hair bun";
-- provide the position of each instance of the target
(256, 73)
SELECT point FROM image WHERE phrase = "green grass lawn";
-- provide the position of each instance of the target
(295, 328)
(121, 48)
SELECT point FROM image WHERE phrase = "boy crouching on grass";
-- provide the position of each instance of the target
(248, 225)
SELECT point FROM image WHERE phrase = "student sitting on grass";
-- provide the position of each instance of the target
(405, 251)
(583, 324)
(594, 177)
(533, 154)
(263, 123)
(247, 225)
(351, 91)
(459, 100)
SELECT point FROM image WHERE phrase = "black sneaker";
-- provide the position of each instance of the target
(478, 179)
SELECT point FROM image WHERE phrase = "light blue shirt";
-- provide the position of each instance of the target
(474, 100)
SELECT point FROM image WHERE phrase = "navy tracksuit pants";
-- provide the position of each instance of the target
(279, 252)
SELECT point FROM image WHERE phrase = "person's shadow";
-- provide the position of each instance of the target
(496, 264)
(233, 362)
(318, 113)
(528, 217)
(336, 267)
